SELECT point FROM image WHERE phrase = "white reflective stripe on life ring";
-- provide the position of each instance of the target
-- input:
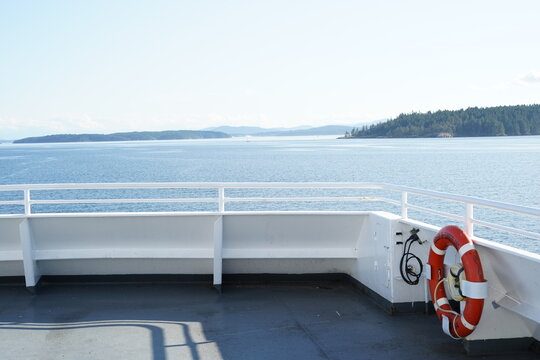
(465, 248)
(442, 301)
(467, 324)
(446, 325)
(436, 250)
(474, 290)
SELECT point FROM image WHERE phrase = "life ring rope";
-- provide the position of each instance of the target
(444, 301)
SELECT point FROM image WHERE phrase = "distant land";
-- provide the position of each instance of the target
(208, 133)
(295, 131)
(321, 130)
(126, 136)
(474, 121)
(252, 130)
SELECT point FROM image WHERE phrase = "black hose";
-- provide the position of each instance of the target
(406, 269)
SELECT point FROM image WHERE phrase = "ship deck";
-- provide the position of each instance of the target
(325, 320)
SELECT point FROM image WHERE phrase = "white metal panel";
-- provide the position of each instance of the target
(10, 255)
(125, 266)
(10, 234)
(218, 250)
(511, 278)
(402, 291)
(519, 307)
(373, 267)
(11, 268)
(123, 232)
(31, 269)
(125, 253)
(290, 253)
(292, 232)
(287, 266)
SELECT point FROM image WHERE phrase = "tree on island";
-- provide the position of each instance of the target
(493, 121)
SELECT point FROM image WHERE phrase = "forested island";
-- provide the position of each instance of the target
(126, 136)
(491, 121)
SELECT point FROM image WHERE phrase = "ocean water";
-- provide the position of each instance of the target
(503, 168)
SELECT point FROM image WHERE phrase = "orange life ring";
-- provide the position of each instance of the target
(474, 287)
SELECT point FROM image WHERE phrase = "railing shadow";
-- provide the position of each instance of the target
(98, 308)
(156, 333)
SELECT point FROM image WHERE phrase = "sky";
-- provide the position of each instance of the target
(104, 66)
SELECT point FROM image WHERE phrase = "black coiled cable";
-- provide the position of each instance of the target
(407, 270)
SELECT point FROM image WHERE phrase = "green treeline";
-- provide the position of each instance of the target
(127, 136)
(493, 121)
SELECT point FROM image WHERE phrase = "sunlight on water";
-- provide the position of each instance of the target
(504, 168)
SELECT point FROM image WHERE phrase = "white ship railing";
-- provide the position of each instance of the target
(221, 200)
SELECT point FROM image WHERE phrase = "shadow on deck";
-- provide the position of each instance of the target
(331, 320)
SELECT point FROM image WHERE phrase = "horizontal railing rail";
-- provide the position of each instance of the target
(221, 200)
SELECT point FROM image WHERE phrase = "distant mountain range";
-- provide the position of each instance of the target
(321, 130)
(295, 131)
(251, 130)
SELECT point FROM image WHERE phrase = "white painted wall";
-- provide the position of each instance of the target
(153, 244)
(123, 232)
(374, 268)
(10, 247)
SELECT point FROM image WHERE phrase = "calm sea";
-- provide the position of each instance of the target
(503, 168)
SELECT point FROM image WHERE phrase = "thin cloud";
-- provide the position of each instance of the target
(530, 78)
(14, 128)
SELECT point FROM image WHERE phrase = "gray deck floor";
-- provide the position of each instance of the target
(171, 321)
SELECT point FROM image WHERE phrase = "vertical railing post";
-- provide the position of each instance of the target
(27, 208)
(221, 192)
(469, 216)
(30, 265)
(404, 203)
(218, 253)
